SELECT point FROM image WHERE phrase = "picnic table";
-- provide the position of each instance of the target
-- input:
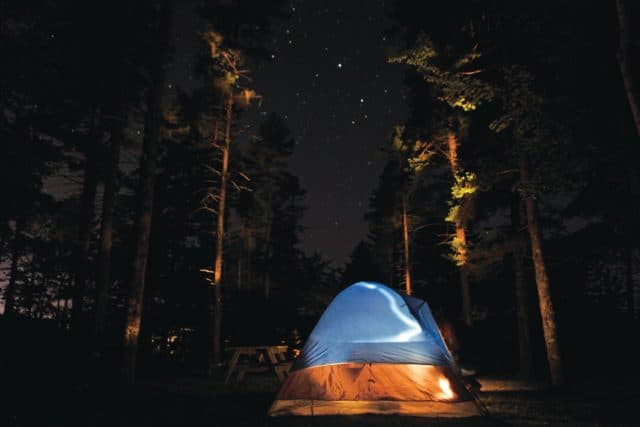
(263, 358)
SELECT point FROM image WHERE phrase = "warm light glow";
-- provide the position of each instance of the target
(296, 352)
(445, 386)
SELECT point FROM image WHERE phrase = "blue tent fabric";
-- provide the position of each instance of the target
(369, 322)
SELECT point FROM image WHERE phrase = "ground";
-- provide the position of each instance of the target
(198, 401)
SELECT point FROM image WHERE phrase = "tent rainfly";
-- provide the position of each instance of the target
(375, 351)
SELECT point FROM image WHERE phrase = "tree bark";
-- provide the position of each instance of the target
(547, 312)
(522, 299)
(465, 287)
(405, 235)
(629, 279)
(522, 306)
(89, 185)
(250, 249)
(16, 253)
(461, 236)
(240, 267)
(217, 271)
(267, 240)
(151, 140)
(103, 278)
(624, 63)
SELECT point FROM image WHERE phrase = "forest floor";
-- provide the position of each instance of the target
(196, 401)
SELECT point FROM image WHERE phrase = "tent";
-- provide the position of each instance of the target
(375, 351)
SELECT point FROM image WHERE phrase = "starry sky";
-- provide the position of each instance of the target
(329, 78)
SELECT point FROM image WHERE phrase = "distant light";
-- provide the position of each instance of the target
(273, 56)
(361, 100)
(339, 64)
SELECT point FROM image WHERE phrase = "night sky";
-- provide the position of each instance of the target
(328, 77)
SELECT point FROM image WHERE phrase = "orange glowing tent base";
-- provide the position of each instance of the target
(374, 388)
(375, 351)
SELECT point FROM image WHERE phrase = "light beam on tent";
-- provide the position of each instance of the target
(413, 327)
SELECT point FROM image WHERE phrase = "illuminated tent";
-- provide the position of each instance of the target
(375, 351)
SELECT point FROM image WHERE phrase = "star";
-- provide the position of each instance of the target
(339, 64)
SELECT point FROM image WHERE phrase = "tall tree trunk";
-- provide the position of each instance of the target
(249, 267)
(103, 278)
(522, 307)
(629, 279)
(32, 305)
(16, 253)
(240, 267)
(42, 306)
(217, 270)
(151, 140)
(461, 235)
(241, 255)
(465, 287)
(547, 312)
(267, 241)
(405, 236)
(624, 63)
(522, 298)
(391, 264)
(65, 316)
(89, 185)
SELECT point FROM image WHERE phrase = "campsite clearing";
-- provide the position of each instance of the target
(199, 401)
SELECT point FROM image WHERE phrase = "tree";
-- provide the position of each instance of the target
(523, 116)
(455, 68)
(382, 225)
(152, 134)
(227, 63)
(412, 158)
(624, 62)
(452, 75)
(360, 266)
(267, 162)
